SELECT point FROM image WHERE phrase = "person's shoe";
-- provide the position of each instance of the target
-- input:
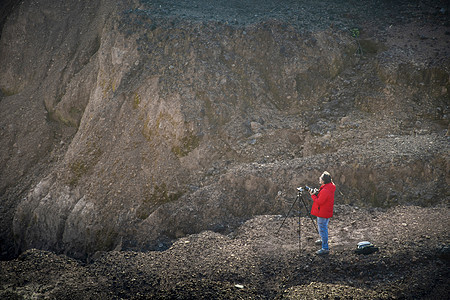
(318, 242)
(322, 252)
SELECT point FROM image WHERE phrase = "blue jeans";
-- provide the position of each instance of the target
(322, 223)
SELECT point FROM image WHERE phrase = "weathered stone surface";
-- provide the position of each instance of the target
(146, 126)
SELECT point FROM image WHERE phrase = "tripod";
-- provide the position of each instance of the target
(299, 199)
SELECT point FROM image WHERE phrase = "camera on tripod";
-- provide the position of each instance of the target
(308, 189)
(299, 199)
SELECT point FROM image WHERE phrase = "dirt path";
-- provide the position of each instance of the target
(256, 261)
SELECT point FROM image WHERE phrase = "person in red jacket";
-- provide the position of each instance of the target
(322, 208)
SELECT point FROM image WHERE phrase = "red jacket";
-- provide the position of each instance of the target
(323, 202)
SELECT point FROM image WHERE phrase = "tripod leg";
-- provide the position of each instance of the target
(299, 228)
(312, 220)
(296, 199)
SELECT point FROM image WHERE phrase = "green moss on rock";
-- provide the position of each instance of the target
(188, 143)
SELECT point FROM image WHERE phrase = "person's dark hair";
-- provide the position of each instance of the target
(326, 177)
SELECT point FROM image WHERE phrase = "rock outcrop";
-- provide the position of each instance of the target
(126, 126)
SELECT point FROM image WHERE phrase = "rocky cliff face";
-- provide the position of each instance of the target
(126, 126)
